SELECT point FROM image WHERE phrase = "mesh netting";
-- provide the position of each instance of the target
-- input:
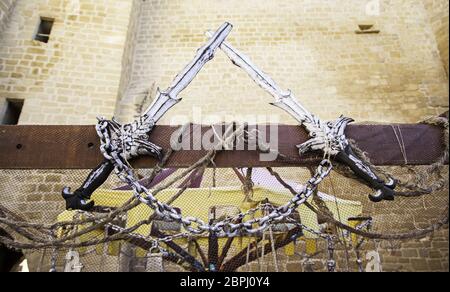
(307, 241)
(205, 218)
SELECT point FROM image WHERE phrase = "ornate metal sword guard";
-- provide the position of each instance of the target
(119, 143)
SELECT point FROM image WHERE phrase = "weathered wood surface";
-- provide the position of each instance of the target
(77, 147)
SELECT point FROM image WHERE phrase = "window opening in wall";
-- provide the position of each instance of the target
(366, 28)
(44, 29)
(10, 114)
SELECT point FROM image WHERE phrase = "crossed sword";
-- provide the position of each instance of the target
(132, 140)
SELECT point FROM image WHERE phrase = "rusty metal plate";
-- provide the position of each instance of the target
(77, 147)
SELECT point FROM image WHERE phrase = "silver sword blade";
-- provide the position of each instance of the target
(284, 98)
(168, 98)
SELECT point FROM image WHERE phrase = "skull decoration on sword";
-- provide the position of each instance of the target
(326, 137)
(132, 140)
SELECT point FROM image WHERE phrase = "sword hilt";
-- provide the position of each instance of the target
(384, 190)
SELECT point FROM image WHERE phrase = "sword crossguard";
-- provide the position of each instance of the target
(327, 137)
(330, 138)
(133, 140)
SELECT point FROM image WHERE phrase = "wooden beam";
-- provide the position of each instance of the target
(77, 147)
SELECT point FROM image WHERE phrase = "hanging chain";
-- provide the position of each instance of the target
(53, 260)
(331, 262)
(112, 151)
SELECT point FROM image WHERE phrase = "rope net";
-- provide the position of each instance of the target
(226, 221)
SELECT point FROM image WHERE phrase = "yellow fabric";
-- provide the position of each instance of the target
(289, 250)
(311, 246)
(355, 238)
(197, 203)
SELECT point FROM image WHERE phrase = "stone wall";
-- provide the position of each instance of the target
(76, 75)
(103, 58)
(6, 7)
(438, 17)
(125, 89)
(395, 75)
